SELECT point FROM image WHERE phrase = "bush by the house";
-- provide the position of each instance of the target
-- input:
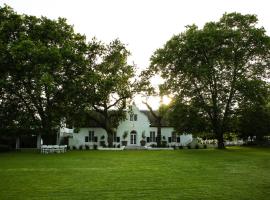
(153, 145)
(163, 143)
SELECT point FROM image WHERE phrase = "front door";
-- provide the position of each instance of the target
(133, 137)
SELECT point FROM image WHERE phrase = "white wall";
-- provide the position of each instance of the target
(142, 125)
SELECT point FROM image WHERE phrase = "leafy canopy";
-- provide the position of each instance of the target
(211, 67)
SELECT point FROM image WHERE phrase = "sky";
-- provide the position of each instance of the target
(143, 25)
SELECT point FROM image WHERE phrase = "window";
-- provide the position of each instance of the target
(133, 117)
(152, 136)
(91, 136)
(86, 139)
(173, 136)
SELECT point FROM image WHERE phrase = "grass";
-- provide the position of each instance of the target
(235, 173)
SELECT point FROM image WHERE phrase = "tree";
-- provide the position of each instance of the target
(254, 121)
(146, 89)
(212, 65)
(39, 62)
(106, 87)
(188, 118)
(159, 115)
(253, 118)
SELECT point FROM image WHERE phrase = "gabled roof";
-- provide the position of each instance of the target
(153, 121)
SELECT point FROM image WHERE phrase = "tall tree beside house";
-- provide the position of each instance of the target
(188, 118)
(39, 62)
(159, 115)
(146, 89)
(103, 97)
(254, 116)
(212, 65)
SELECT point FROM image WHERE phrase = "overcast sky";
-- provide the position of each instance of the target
(144, 25)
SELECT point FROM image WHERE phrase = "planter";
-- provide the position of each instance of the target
(102, 143)
(143, 142)
(124, 143)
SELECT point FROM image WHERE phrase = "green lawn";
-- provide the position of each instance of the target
(236, 173)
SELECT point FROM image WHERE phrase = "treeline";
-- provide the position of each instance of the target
(218, 77)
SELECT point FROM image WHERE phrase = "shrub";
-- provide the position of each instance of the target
(87, 147)
(118, 146)
(74, 147)
(102, 143)
(153, 145)
(124, 143)
(197, 146)
(81, 147)
(205, 146)
(181, 147)
(189, 146)
(163, 143)
(4, 148)
(95, 147)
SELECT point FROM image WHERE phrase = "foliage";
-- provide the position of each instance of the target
(187, 118)
(39, 59)
(215, 67)
(254, 121)
(105, 88)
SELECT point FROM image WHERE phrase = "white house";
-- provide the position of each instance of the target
(138, 126)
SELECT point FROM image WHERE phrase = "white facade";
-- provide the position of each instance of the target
(137, 127)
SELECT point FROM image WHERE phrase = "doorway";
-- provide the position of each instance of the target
(133, 136)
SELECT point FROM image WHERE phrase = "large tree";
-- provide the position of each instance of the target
(212, 65)
(106, 87)
(40, 60)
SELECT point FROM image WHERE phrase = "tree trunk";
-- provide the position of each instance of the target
(58, 138)
(218, 131)
(220, 141)
(159, 136)
(110, 138)
(159, 131)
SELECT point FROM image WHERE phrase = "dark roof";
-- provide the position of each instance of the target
(153, 121)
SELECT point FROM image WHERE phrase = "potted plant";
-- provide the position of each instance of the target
(143, 142)
(124, 143)
(102, 142)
